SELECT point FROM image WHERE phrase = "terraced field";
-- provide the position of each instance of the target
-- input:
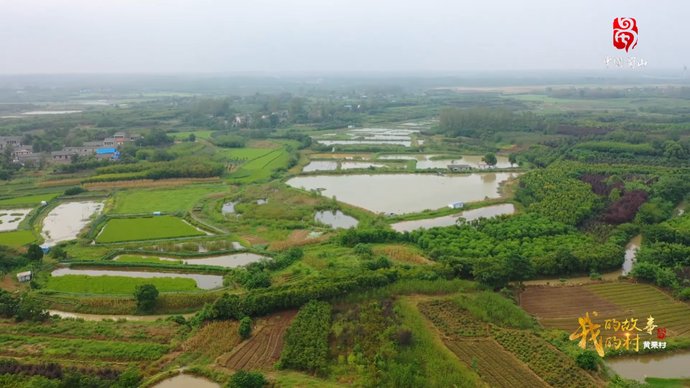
(86, 343)
(263, 348)
(469, 339)
(559, 307)
(495, 366)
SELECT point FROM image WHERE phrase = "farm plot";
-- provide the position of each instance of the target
(556, 368)
(261, 167)
(643, 300)
(494, 365)
(10, 218)
(165, 200)
(17, 238)
(453, 321)
(111, 285)
(263, 348)
(145, 228)
(28, 200)
(559, 307)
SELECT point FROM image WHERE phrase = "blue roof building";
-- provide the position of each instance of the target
(107, 152)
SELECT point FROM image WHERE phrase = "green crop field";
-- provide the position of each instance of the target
(84, 284)
(150, 228)
(246, 153)
(262, 167)
(28, 200)
(164, 200)
(17, 238)
(185, 135)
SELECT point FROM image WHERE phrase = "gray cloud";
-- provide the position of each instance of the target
(156, 36)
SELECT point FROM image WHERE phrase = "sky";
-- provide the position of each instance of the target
(275, 36)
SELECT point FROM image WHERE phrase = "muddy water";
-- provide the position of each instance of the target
(186, 381)
(320, 165)
(425, 162)
(469, 215)
(404, 193)
(65, 221)
(10, 218)
(99, 317)
(228, 208)
(666, 365)
(336, 219)
(355, 165)
(404, 143)
(205, 282)
(227, 261)
(630, 253)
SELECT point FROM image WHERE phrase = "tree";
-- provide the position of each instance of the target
(245, 329)
(191, 138)
(146, 295)
(31, 309)
(512, 158)
(519, 267)
(492, 272)
(58, 252)
(490, 159)
(243, 379)
(8, 304)
(587, 360)
(34, 253)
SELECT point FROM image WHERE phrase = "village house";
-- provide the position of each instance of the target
(81, 151)
(14, 141)
(61, 156)
(107, 153)
(24, 276)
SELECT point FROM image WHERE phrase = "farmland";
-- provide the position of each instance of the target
(559, 307)
(27, 200)
(17, 238)
(163, 200)
(263, 348)
(151, 228)
(109, 285)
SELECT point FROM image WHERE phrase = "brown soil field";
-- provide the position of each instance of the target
(263, 348)
(559, 307)
(149, 183)
(401, 253)
(495, 366)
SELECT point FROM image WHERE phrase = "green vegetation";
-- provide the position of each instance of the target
(148, 228)
(84, 284)
(28, 200)
(306, 341)
(164, 200)
(17, 238)
(146, 295)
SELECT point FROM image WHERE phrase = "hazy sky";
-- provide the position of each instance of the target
(153, 36)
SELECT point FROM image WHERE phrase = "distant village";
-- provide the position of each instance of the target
(105, 149)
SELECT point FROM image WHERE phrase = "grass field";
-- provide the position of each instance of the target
(164, 200)
(83, 284)
(260, 164)
(17, 238)
(559, 307)
(28, 200)
(150, 228)
(185, 135)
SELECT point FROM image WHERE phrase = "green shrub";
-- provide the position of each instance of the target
(245, 329)
(243, 379)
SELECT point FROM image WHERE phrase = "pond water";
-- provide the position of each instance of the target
(228, 208)
(10, 218)
(425, 162)
(404, 143)
(404, 193)
(665, 365)
(67, 219)
(469, 215)
(336, 219)
(186, 381)
(50, 112)
(100, 317)
(630, 253)
(227, 261)
(355, 165)
(320, 165)
(205, 282)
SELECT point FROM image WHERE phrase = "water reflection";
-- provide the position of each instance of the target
(336, 219)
